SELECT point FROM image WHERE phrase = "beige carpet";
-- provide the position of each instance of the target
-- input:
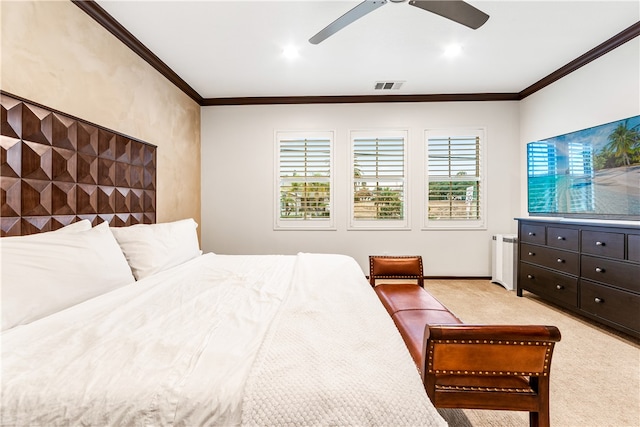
(595, 372)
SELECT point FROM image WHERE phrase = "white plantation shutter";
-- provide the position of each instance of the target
(379, 179)
(455, 189)
(304, 185)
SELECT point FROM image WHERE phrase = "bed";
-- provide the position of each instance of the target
(136, 327)
(109, 318)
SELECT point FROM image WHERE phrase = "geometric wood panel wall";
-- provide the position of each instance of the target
(56, 169)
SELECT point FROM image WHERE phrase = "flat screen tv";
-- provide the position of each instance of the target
(591, 173)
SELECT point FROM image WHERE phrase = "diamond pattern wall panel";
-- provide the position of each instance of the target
(106, 171)
(63, 164)
(11, 202)
(87, 169)
(10, 117)
(11, 157)
(57, 169)
(37, 161)
(87, 199)
(63, 198)
(64, 132)
(87, 139)
(36, 124)
(36, 197)
(36, 224)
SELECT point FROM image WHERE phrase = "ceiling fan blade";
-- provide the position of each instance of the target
(356, 13)
(456, 10)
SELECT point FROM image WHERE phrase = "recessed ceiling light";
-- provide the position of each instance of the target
(452, 50)
(290, 52)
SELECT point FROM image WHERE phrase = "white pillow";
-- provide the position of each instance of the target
(151, 248)
(48, 272)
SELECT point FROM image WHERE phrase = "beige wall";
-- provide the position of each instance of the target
(56, 55)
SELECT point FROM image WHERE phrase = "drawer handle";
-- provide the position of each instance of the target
(599, 270)
(600, 244)
(560, 238)
(529, 276)
(559, 287)
(531, 254)
(531, 233)
(598, 300)
(560, 260)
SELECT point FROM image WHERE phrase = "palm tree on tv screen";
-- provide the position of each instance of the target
(624, 143)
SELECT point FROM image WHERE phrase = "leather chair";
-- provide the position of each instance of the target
(396, 267)
(498, 367)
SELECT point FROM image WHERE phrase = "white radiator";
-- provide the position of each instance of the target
(504, 256)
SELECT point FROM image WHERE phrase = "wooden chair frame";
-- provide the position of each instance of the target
(396, 267)
(499, 367)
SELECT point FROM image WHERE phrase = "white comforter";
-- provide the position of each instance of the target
(220, 340)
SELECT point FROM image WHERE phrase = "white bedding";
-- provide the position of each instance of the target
(219, 340)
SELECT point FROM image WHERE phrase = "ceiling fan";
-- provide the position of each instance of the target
(455, 10)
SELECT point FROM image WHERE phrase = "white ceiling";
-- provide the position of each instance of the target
(234, 48)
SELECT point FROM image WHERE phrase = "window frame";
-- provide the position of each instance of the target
(379, 224)
(280, 223)
(457, 224)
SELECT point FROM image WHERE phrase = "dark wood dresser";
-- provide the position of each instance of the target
(592, 268)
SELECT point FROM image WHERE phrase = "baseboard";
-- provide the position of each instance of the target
(453, 277)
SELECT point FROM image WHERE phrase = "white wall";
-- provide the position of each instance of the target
(603, 91)
(238, 181)
(237, 158)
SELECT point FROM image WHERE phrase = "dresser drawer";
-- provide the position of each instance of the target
(532, 233)
(633, 247)
(603, 243)
(549, 284)
(567, 262)
(563, 238)
(610, 304)
(616, 273)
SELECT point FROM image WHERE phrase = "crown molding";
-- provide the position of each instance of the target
(91, 8)
(360, 99)
(619, 39)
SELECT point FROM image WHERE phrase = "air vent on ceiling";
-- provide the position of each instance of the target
(388, 85)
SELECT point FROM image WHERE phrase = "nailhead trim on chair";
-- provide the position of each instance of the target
(469, 388)
(544, 372)
(397, 277)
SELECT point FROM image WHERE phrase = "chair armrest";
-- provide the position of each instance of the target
(503, 350)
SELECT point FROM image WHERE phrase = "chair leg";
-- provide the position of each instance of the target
(542, 417)
(539, 419)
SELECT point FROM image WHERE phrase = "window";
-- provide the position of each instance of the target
(454, 181)
(304, 180)
(378, 190)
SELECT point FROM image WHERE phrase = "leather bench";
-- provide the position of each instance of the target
(499, 367)
(411, 308)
